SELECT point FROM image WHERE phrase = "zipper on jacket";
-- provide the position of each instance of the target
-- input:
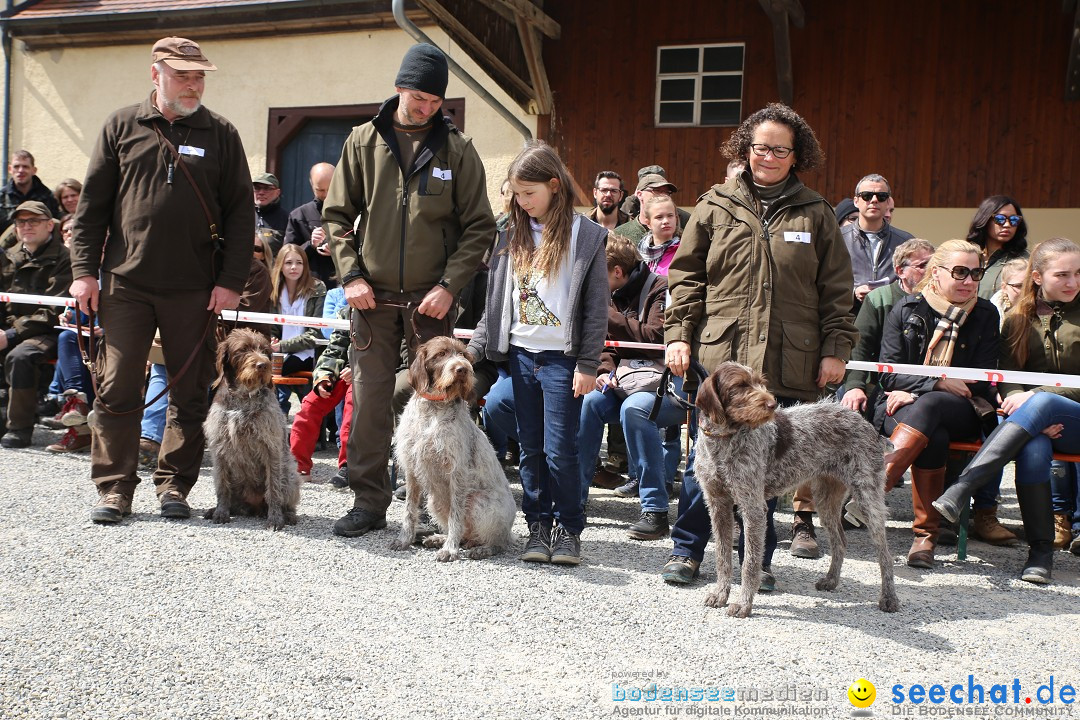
(404, 220)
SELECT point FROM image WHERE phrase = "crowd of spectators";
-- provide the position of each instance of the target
(763, 271)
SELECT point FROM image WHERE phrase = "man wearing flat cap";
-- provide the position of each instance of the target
(409, 222)
(271, 219)
(649, 185)
(37, 264)
(165, 221)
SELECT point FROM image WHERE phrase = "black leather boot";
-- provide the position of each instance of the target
(996, 452)
(1038, 515)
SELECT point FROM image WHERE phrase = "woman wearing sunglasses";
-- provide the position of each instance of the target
(1041, 335)
(999, 229)
(944, 324)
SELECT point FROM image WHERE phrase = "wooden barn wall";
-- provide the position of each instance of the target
(951, 101)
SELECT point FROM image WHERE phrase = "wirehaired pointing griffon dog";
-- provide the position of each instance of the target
(749, 451)
(447, 458)
(254, 473)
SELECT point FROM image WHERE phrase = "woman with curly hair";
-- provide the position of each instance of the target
(762, 277)
(999, 229)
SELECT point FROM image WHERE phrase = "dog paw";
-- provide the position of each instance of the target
(889, 604)
(739, 610)
(827, 583)
(433, 541)
(275, 520)
(401, 543)
(445, 555)
(716, 599)
(221, 516)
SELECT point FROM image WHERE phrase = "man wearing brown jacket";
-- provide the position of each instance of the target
(167, 219)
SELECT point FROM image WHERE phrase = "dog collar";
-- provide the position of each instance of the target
(432, 398)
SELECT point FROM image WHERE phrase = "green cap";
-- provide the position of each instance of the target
(265, 179)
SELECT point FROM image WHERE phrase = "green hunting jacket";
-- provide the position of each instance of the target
(414, 230)
(335, 356)
(773, 293)
(1053, 347)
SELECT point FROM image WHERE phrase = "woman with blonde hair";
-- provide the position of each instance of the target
(1041, 335)
(295, 292)
(1012, 282)
(945, 323)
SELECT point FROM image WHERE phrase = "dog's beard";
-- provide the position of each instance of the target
(456, 385)
(253, 375)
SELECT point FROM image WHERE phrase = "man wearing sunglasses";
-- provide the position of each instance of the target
(871, 240)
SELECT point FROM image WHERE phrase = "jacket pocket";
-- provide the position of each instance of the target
(801, 353)
(717, 341)
(430, 183)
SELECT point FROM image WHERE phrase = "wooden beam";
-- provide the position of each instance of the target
(500, 8)
(779, 12)
(544, 22)
(471, 43)
(1072, 72)
(532, 45)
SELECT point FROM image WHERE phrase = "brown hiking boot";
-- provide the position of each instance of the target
(987, 528)
(174, 505)
(111, 508)
(1062, 530)
(73, 441)
(804, 542)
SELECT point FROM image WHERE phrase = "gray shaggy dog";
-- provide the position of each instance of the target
(749, 450)
(254, 472)
(446, 457)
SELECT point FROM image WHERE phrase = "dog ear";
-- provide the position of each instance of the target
(419, 379)
(224, 368)
(708, 398)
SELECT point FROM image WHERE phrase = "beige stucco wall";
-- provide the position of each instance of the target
(60, 98)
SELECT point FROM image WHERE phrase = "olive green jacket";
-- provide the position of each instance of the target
(1053, 347)
(772, 294)
(414, 230)
(335, 356)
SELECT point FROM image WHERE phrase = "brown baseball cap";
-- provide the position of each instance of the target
(180, 54)
(655, 180)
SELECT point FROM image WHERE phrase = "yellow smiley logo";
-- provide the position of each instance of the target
(862, 693)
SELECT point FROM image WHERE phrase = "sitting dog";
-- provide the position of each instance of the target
(254, 473)
(446, 456)
(749, 451)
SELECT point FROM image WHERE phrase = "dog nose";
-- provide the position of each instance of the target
(771, 405)
(461, 370)
(261, 365)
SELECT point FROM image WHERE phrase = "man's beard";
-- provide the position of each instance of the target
(607, 210)
(182, 110)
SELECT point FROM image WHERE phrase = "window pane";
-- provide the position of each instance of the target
(677, 89)
(682, 113)
(720, 59)
(719, 113)
(721, 87)
(679, 60)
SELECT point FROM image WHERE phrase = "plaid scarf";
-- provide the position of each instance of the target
(650, 253)
(939, 350)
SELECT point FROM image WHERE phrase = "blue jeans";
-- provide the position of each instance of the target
(1040, 411)
(1064, 497)
(498, 413)
(547, 428)
(70, 372)
(153, 419)
(644, 443)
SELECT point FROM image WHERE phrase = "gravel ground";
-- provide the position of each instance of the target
(179, 619)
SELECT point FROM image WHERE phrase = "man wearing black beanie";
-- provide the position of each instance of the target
(408, 221)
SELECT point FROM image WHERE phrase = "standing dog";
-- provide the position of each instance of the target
(447, 457)
(749, 451)
(254, 473)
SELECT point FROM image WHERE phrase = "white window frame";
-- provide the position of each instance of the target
(698, 78)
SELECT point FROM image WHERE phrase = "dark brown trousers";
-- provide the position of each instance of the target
(374, 371)
(129, 316)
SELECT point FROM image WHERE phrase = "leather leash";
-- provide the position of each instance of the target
(371, 335)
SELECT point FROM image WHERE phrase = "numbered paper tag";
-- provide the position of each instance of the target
(441, 174)
(192, 150)
(799, 237)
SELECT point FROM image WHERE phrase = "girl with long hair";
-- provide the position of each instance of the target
(546, 313)
(295, 292)
(1041, 334)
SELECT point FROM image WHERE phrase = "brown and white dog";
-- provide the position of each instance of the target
(254, 472)
(446, 457)
(749, 451)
